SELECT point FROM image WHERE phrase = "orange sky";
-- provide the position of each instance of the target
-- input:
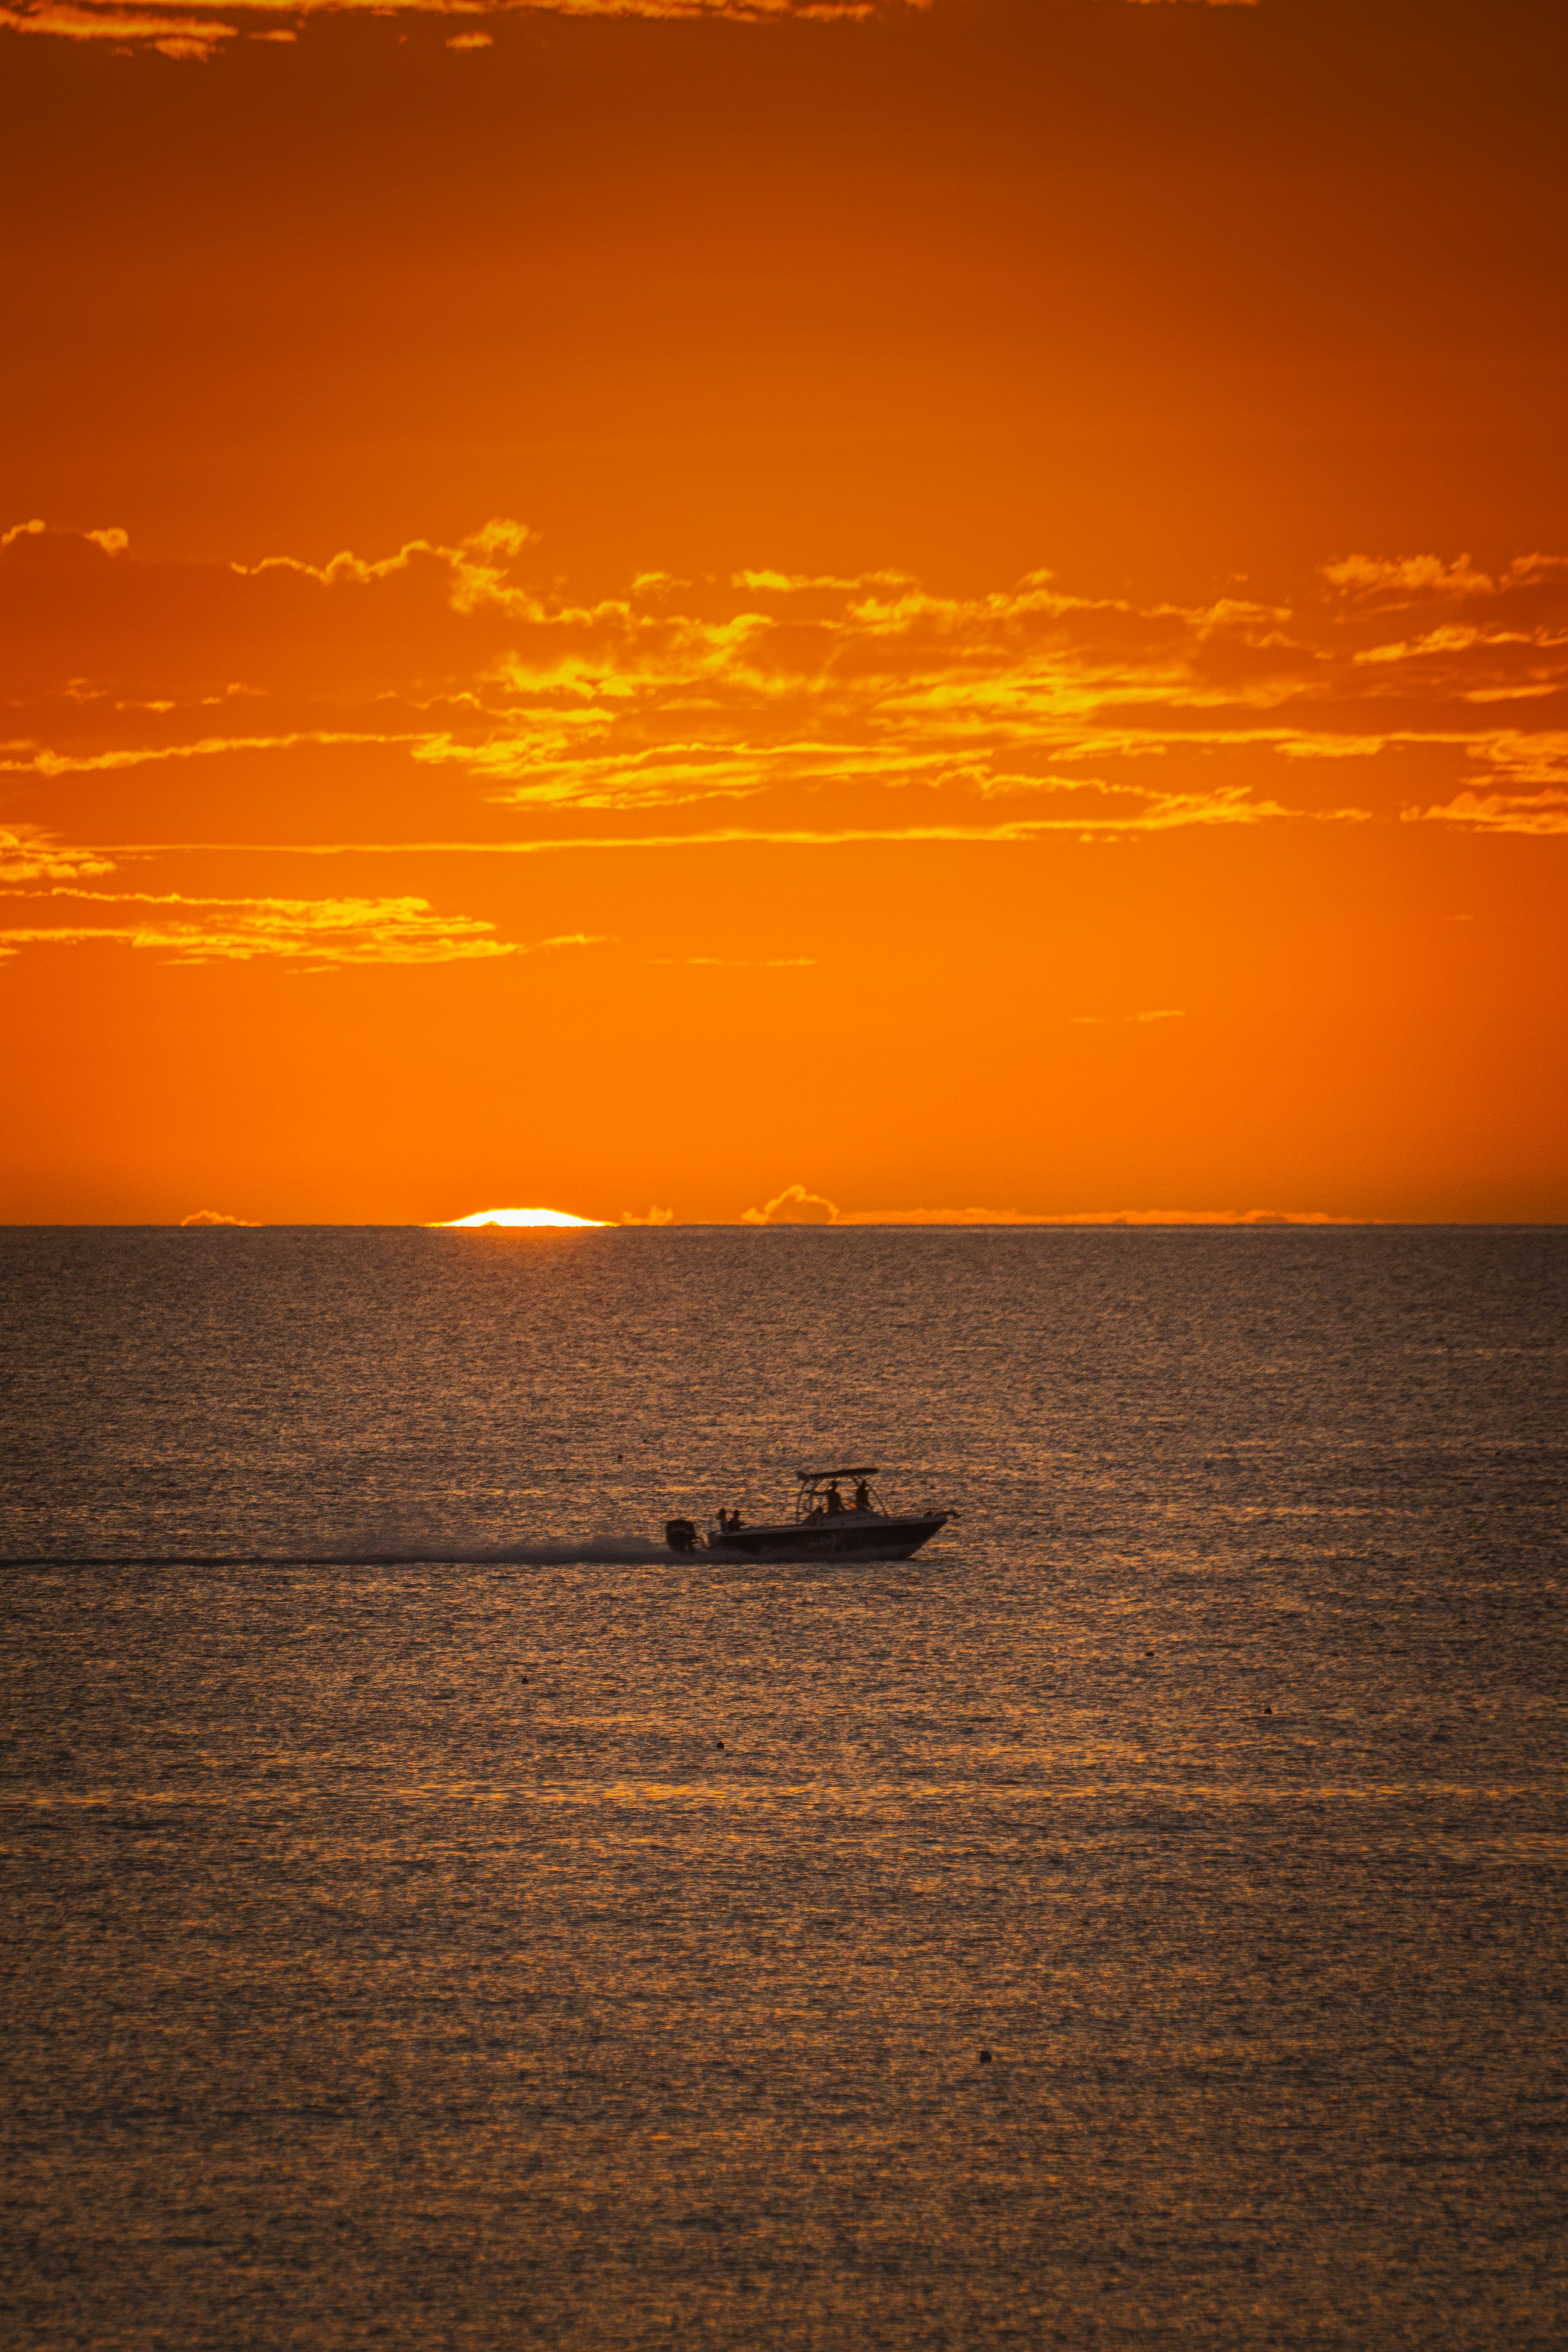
(959, 608)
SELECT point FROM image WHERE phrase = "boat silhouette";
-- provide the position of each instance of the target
(822, 1525)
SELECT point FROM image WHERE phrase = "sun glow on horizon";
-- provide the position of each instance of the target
(515, 1217)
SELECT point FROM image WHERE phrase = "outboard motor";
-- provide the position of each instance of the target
(680, 1535)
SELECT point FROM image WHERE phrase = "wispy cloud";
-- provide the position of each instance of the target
(1540, 812)
(319, 932)
(28, 853)
(1005, 834)
(1094, 1217)
(195, 30)
(188, 33)
(865, 708)
(22, 758)
(1113, 1020)
(1403, 581)
(797, 1206)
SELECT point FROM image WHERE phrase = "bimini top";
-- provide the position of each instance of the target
(819, 1477)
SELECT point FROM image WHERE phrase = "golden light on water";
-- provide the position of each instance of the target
(517, 1217)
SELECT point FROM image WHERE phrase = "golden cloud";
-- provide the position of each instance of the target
(1406, 580)
(196, 29)
(1094, 1217)
(861, 693)
(794, 1206)
(1109, 1020)
(1010, 833)
(28, 853)
(1540, 812)
(320, 933)
(44, 762)
(217, 1217)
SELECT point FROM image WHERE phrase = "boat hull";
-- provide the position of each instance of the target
(855, 1535)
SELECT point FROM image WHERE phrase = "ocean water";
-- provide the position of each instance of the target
(530, 1939)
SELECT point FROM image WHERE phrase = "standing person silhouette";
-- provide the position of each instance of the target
(835, 1499)
(862, 1496)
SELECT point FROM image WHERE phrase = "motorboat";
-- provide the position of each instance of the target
(824, 1524)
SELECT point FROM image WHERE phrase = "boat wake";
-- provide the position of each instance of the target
(567, 1552)
(585, 1551)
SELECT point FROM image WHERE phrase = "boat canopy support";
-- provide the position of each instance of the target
(810, 1502)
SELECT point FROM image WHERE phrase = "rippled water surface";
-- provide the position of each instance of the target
(539, 1941)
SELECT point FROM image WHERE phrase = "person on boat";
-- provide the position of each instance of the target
(862, 1496)
(835, 1499)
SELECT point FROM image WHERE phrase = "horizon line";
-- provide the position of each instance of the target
(1104, 1220)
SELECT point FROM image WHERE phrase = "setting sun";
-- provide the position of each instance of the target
(517, 1217)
